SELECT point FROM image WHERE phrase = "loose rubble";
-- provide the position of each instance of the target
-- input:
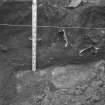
(69, 85)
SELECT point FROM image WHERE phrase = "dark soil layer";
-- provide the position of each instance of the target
(52, 51)
(15, 47)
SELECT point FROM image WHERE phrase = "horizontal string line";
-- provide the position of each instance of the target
(70, 27)
(11, 25)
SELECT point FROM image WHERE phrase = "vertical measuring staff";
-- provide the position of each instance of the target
(34, 33)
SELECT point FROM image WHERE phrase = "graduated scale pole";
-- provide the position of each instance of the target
(34, 33)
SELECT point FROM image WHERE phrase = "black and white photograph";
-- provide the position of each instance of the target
(52, 52)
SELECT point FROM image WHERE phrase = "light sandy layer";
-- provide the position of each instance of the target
(77, 85)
